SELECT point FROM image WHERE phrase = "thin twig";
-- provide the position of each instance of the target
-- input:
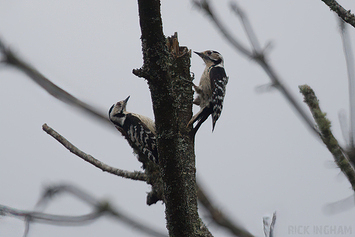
(100, 208)
(219, 217)
(340, 157)
(342, 12)
(205, 6)
(247, 26)
(136, 175)
(10, 58)
(257, 56)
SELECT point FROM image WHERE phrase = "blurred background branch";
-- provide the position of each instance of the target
(219, 217)
(12, 59)
(100, 208)
(348, 133)
(349, 59)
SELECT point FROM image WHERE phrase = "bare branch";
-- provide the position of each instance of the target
(257, 56)
(136, 175)
(100, 208)
(326, 134)
(342, 12)
(12, 59)
(219, 217)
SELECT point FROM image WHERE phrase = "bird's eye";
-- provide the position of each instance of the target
(209, 52)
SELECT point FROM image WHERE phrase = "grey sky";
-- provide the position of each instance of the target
(260, 158)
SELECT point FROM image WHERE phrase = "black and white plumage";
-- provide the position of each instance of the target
(138, 130)
(211, 90)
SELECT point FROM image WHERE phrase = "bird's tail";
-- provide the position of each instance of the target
(200, 117)
(217, 110)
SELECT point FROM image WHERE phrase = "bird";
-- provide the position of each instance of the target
(211, 89)
(137, 129)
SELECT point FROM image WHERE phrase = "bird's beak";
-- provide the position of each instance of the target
(125, 101)
(199, 54)
(109, 112)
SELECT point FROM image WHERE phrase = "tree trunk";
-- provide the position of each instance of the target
(167, 68)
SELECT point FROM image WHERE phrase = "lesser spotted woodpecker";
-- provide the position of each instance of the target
(138, 130)
(211, 90)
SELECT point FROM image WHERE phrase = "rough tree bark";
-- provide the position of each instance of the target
(166, 67)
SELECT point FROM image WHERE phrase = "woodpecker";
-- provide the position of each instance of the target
(138, 130)
(211, 90)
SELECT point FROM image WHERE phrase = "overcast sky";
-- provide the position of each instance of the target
(261, 157)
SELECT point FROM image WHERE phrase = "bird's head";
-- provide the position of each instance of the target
(211, 57)
(117, 112)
